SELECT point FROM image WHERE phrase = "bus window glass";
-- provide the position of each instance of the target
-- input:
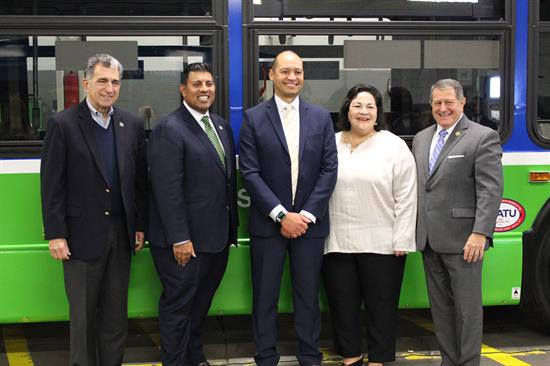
(108, 7)
(375, 10)
(544, 10)
(402, 67)
(543, 80)
(152, 71)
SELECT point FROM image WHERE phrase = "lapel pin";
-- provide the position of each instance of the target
(121, 124)
(220, 127)
(457, 133)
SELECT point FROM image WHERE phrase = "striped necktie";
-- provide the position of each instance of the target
(213, 138)
(437, 149)
(291, 128)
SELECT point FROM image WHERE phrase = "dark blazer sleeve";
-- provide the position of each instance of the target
(53, 182)
(250, 166)
(317, 202)
(488, 182)
(166, 168)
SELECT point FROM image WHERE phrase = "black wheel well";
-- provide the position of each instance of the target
(536, 260)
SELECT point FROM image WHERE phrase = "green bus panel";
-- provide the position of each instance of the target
(31, 283)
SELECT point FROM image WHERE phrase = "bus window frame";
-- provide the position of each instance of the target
(535, 30)
(113, 26)
(503, 31)
(248, 15)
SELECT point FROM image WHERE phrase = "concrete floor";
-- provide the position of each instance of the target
(511, 338)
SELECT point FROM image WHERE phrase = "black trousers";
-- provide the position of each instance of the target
(98, 302)
(372, 280)
(187, 293)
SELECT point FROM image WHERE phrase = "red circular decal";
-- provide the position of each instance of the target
(510, 215)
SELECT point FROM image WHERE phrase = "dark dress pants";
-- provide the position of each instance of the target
(268, 258)
(184, 303)
(372, 280)
(454, 289)
(98, 302)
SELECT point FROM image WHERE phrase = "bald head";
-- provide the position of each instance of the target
(287, 74)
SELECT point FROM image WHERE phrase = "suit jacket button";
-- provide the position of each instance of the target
(107, 213)
(227, 208)
(107, 190)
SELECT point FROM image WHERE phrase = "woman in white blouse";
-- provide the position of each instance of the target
(372, 227)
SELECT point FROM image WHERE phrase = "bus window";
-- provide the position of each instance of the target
(373, 10)
(29, 96)
(543, 87)
(107, 7)
(402, 67)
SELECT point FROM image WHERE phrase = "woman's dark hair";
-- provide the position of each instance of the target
(344, 123)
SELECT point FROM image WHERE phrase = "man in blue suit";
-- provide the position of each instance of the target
(193, 214)
(289, 164)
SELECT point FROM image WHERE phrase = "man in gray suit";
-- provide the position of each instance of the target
(459, 191)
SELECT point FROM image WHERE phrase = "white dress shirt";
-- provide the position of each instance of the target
(373, 207)
(98, 117)
(281, 105)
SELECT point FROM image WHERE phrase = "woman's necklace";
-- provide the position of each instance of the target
(349, 140)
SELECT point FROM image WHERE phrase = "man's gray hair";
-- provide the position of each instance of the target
(103, 59)
(448, 83)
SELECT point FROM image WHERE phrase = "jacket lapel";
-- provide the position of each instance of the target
(224, 138)
(425, 149)
(304, 122)
(273, 116)
(87, 127)
(458, 132)
(201, 136)
(121, 136)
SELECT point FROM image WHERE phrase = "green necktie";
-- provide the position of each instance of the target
(213, 138)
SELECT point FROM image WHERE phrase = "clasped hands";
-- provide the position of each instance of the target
(294, 225)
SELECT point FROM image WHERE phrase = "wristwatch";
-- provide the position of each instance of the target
(280, 216)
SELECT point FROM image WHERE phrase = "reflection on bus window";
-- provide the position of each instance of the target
(402, 67)
(152, 70)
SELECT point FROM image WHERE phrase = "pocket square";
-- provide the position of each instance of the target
(455, 156)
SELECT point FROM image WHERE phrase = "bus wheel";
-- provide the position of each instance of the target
(541, 285)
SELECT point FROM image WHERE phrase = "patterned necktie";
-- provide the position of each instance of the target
(292, 135)
(437, 149)
(213, 138)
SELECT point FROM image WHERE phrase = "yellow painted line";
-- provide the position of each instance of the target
(15, 343)
(492, 353)
(501, 357)
(141, 364)
(420, 357)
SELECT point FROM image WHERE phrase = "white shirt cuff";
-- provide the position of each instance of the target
(273, 214)
(308, 215)
(181, 243)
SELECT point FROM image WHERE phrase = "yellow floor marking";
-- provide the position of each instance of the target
(486, 351)
(15, 343)
(501, 357)
(151, 329)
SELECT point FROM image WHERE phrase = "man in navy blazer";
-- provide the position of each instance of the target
(289, 164)
(94, 206)
(193, 216)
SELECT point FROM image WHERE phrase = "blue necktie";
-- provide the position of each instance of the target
(437, 149)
